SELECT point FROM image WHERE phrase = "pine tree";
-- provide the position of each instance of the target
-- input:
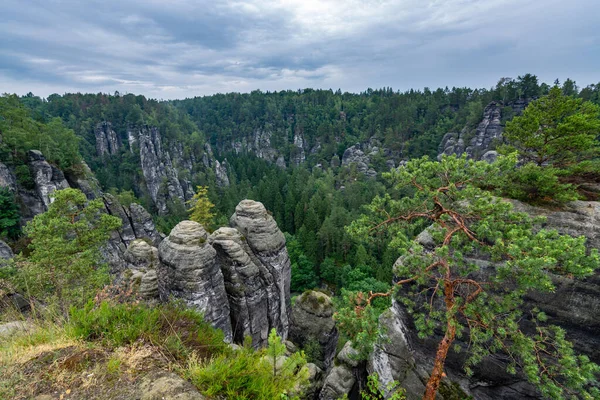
(484, 306)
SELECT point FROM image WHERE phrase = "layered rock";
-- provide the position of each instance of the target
(209, 161)
(188, 270)
(143, 261)
(245, 286)
(265, 244)
(107, 141)
(574, 305)
(312, 322)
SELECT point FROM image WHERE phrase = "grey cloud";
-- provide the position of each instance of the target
(183, 48)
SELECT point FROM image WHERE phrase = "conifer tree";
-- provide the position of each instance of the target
(201, 208)
(483, 305)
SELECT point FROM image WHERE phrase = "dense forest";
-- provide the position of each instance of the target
(312, 201)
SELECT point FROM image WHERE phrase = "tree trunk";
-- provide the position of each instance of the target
(438, 367)
(440, 357)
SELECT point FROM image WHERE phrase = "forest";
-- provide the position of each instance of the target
(289, 150)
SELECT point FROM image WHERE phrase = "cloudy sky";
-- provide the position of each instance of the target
(183, 48)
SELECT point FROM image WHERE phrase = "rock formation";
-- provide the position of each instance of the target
(265, 244)
(188, 270)
(575, 305)
(245, 285)
(341, 379)
(47, 178)
(5, 252)
(143, 263)
(481, 144)
(106, 139)
(312, 322)
(162, 180)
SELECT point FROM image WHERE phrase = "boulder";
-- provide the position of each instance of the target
(339, 382)
(312, 322)
(5, 252)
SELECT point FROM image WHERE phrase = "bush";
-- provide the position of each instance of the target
(248, 374)
(534, 184)
(9, 215)
(179, 331)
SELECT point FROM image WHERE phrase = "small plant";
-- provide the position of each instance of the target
(374, 391)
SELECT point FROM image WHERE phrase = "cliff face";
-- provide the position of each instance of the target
(575, 306)
(137, 223)
(481, 144)
(107, 141)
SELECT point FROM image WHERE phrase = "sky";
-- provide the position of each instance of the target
(169, 49)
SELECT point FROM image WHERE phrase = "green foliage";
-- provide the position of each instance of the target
(534, 184)
(462, 298)
(64, 264)
(20, 133)
(247, 374)
(374, 390)
(201, 208)
(555, 130)
(9, 215)
(179, 331)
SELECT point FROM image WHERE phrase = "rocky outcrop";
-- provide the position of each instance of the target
(245, 285)
(7, 179)
(188, 270)
(265, 244)
(574, 305)
(209, 161)
(341, 380)
(5, 252)
(480, 144)
(312, 322)
(299, 155)
(363, 155)
(161, 177)
(47, 178)
(137, 223)
(107, 141)
(143, 261)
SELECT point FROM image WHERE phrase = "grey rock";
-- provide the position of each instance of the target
(312, 320)
(221, 173)
(14, 327)
(149, 285)
(245, 285)
(299, 155)
(280, 162)
(47, 178)
(161, 177)
(167, 386)
(141, 254)
(487, 133)
(348, 355)
(7, 178)
(265, 244)
(315, 379)
(106, 139)
(188, 271)
(142, 224)
(339, 382)
(489, 156)
(86, 182)
(5, 252)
